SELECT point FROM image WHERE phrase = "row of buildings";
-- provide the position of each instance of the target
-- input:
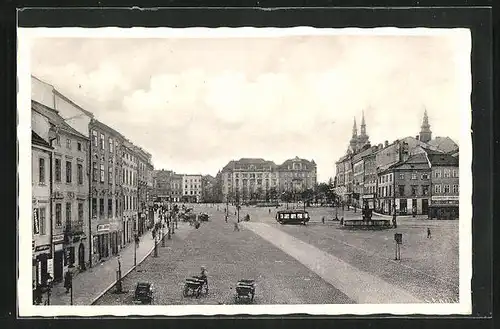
(243, 180)
(91, 186)
(172, 187)
(412, 175)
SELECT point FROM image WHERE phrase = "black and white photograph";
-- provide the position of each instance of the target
(208, 171)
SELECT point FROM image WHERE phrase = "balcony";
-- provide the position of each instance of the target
(74, 228)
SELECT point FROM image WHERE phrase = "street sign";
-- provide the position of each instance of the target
(50, 267)
(36, 223)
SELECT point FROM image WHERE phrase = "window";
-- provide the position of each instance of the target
(101, 207)
(42, 214)
(79, 173)
(425, 189)
(446, 173)
(79, 146)
(455, 173)
(110, 145)
(446, 189)
(57, 165)
(41, 171)
(58, 140)
(390, 178)
(401, 176)
(110, 207)
(413, 175)
(414, 190)
(69, 172)
(94, 171)
(102, 173)
(110, 175)
(401, 189)
(102, 141)
(68, 214)
(80, 212)
(425, 176)
(94, 207)
(437, 174)
(68, 143)
(437, 188)
(58, 215)
(455, 189)
(94, 137)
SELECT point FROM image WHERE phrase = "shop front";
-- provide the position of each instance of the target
(368, 200)
(40, 264)
(58, 243)
(444, 207)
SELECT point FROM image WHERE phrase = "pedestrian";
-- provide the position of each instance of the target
(323, 219)
(428, 233)
(67, 281)
(226, 218)
(235, 213)
(269, 210)
(236, 227)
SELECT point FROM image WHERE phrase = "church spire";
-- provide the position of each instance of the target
(354, 129)
(363, 125)
(425, 129)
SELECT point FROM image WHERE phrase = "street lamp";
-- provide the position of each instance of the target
(136, 245)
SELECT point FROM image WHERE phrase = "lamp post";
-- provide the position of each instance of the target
(136, 244)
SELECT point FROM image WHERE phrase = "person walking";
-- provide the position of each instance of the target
(428, 233)
(323, 219)
(67, 281)
(236, 227)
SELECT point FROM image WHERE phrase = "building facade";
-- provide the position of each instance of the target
(105, 191)
(191, 188)
(69, 193)
(176, 188)
(163, 186)
(255, 179)
(130, 196)
(445, 186)
(42, 248)
(208, 189)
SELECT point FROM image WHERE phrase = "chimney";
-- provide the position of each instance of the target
(386, 143)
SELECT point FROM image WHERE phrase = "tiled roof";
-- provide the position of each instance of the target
(442, 159)
(290, 161)
(37, 140)
(55, 118)
(445, 144)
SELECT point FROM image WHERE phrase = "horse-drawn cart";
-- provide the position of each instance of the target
(195, 286)
(245, 289)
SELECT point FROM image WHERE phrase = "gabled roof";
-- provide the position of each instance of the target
(297, 159)
(55, 119)
(445, 144)
(37, 140)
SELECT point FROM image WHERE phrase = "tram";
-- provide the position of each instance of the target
(292, 217)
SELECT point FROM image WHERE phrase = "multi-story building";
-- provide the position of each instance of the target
(445, 185)
(130, 196)
(370, 179)
(106, 190)
(296, 175)
(176, 188)
(410, 190)
(191, 188)
(162, 184)
(69, 193)
(41, 155)
(250, 179)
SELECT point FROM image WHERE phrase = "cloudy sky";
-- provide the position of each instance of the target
(195, 104)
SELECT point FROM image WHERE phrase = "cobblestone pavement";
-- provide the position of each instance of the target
(429, 268)
(89, 285)
(228, 256)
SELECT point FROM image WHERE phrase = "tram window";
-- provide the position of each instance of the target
(281, 216)
(299, 216)
(293, 216)
(306, 215)
(286, 216)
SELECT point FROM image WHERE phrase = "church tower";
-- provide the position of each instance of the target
(425, 131)
(363, 139)
(353, 144)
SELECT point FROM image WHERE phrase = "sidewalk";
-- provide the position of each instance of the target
(89, 285)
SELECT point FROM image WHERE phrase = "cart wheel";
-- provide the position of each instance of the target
(185, 291)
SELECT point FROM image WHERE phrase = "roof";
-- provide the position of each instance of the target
(297, 159)
(445, 144)
(108, 128)
(55, 119)
(56, 92)
(245, 162)
(37, 140)
(442, 159)
(416, 159)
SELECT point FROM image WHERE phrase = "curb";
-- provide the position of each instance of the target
(401, 216)
(123, 276)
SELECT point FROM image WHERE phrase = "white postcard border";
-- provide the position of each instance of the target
(25, 307)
